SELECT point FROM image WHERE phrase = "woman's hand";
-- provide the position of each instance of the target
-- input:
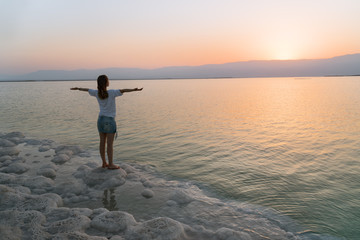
(80, 89)
(130, 90)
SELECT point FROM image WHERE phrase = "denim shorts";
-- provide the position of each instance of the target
(106, 124)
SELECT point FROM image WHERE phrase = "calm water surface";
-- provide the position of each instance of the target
(285, 143)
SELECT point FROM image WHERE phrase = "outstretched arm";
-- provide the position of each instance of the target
(80, 89)
(130, 90)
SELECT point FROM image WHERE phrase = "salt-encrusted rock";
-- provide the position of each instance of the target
(64, 153)
(6, 143)
(17, 168)
(15, 137)
(81, 211)
(5, 158)
(10, 232)
(133, 176)
(61, 158)
(47, 172)
(147, 193)
(181, 197)
(71, 224)
(99, 211)
(5, 164)
(25, 214)
(127, 168)
(69, 150)
(113, 222)
(55, 197)
(20, 189)
(229, 234)
(162, 228)
(11, 151)
(44, 148)
(113, 182)
(50, 166)
(171, 203)
(82, 171)
(147, 184)
(32, 142)
(69, 153)
(116, 237)
(15, 134)
(8, 197)
(70, 187)
(17, 159)
(76, 235)
(5, 190)
(56, 214)
(39, 203)
(102, 178)
(5, 161)
(47, 142)
(38, 182)
(13, 199)
(6, 178)
(26, 225)
(85, 154)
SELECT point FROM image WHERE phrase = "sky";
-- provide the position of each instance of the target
(92, 34)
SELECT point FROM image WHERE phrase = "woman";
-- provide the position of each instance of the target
(106, 122)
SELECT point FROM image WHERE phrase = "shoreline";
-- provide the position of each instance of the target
(140, 79)
(50, 190)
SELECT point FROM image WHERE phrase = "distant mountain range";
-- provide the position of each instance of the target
(342, 65)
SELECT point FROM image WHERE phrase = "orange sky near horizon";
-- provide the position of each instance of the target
(41, 35)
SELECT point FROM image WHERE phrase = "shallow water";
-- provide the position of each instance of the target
(289, 144)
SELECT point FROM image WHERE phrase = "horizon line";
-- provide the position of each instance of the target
(174, 66)
(194, 78)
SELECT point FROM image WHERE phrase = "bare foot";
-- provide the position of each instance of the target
(113, 167)
(105, 165)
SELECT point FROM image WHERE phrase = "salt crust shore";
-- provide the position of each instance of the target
(51, 191)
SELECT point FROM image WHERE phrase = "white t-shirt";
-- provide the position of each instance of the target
(107, 105)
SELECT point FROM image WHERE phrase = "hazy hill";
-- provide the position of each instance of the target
(342, 65)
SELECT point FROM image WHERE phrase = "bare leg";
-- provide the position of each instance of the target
(103, 137)
(110, 151)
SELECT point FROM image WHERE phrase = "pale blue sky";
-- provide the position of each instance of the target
(43, 34)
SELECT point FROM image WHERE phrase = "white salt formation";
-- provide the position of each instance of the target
(61, 192)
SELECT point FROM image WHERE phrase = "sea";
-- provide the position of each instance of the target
(287, 144)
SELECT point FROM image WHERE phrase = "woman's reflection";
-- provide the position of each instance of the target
(109, 201)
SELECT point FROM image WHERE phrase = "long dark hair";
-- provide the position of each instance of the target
(101, 85)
